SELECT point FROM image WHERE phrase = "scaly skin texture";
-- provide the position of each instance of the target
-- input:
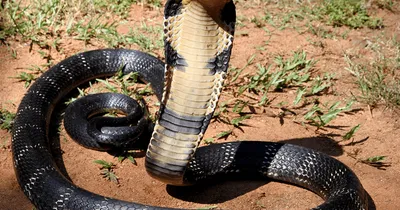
(171, 155)
(197, 50)
(34, 165)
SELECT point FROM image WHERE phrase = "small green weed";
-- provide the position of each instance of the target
(6, 119)
(127, 156)
(292, 71)
(351, 133)
(317, 86)
(289, 72)
(236, 72)
(142, 40)
(45, 22)
(320, 116)
(107, 170)
(220, 135)
(222, 114)
(27, 78)
(81, 93)
(223, 134)
(386, 4)
(118, 7)
(94, 28)
(108, 85)
(320, 31)
(377, 79)
(126, 84)
(377, 162)
(374, 161)
(239, 120)
(282, 20)
(210, 140)
(351, 13)
(152, 3)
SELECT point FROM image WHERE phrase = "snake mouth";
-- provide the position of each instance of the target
(198, 43)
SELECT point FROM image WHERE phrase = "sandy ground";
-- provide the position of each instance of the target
(378, 134)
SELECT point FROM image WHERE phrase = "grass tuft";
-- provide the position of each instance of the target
(351, 13)
(378, 79)
(6, 119)
(107, 170)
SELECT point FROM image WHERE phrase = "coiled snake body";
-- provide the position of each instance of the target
(198, 42)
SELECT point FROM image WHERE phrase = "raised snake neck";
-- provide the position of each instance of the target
(197, 50)
(47, 188)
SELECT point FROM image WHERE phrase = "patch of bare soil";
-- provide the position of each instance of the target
(378, 135)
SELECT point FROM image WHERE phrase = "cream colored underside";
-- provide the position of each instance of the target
(196, 37)
(194, 89)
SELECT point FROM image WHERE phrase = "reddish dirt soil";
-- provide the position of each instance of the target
(379, 126)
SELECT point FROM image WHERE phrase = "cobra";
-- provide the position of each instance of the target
(198, 43)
